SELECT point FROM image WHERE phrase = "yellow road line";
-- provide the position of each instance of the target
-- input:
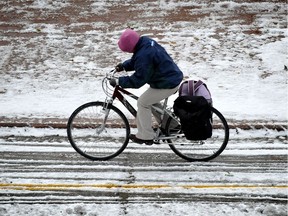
(42, 187)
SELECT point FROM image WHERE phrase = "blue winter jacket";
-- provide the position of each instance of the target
(152, 65)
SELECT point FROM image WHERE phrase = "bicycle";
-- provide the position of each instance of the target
(99, 130)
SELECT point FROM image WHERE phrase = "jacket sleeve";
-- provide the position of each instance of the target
(143, 67)
(128, 65)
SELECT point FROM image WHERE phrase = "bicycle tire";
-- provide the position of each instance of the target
(90, 140)
(201, 150)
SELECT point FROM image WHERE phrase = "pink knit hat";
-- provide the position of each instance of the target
(128, 40)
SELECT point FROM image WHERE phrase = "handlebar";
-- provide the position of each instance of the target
(107, 88)
(113, 71)
(110, 74)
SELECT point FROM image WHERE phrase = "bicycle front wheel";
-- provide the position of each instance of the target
(200, 150)
(98, 133)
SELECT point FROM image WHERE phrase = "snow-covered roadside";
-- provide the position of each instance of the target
(50, 74)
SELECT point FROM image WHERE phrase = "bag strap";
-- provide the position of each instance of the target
(198, 85)
(202, 83)
(193, 86)
(181, 86)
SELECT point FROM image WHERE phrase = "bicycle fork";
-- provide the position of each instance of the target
(106, 111)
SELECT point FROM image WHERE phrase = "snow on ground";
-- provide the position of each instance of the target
(276, 142)
(175, 209)
(239, 49)
(260, 143)
(49, 67)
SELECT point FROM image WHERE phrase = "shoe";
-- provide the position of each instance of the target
(140, 141)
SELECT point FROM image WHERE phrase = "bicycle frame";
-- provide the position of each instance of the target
(122, 99)
(159, 110)
(119, 92)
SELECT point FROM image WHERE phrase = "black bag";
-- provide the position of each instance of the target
(195, 116)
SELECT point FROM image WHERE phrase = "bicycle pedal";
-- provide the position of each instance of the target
(156, 142)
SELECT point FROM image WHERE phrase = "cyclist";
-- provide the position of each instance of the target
(152, 65)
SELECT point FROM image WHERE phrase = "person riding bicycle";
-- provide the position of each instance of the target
(153, 66)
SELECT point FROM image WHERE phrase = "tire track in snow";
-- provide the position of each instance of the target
(53, 173)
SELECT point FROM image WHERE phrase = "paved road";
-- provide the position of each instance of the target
(39, 166)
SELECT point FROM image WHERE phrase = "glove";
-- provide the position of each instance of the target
(113, 82)
(119, 67)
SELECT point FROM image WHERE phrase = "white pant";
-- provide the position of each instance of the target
(144, 115)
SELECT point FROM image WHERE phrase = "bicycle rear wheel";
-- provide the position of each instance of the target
(201, 150)
(98, 133)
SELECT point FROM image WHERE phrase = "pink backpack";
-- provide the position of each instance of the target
(195, 88)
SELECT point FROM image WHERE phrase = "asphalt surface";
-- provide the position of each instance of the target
(46, 169)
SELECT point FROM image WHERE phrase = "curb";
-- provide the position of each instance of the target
(61, 123)
(257, 125)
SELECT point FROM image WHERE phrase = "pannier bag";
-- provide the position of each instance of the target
(193, 107)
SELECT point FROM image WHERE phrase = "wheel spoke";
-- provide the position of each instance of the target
(95, 138)
(202, 150)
